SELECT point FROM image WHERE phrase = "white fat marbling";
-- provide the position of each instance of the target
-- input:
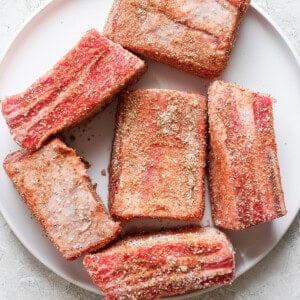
(206, 11)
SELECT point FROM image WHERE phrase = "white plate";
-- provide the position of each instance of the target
(262, 61)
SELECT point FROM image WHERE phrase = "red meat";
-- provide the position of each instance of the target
(245, 184)
(77, 87)
(54, 185)
(158, 158)
(163, 264)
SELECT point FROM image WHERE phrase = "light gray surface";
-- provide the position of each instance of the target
(23, 277)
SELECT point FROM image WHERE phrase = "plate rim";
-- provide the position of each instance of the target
(95, 290)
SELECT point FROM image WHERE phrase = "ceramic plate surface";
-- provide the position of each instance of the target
(262, 60)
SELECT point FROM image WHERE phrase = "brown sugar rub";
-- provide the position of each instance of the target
(245, 184)
(194, 36)
(55, 186)
(163, 264)
(80, 85)
(158, 158)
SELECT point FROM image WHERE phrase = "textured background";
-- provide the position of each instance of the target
(23, 277)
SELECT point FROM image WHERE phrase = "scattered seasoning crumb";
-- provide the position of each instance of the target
(183, 269)
(86, 163)
(72, 137)
(103, 172)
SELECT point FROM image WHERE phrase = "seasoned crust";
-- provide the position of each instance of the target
(244, 176)
(242, 5)
(158, 157)
(54, 185)
(173, 262)
(80, 85)
(194, 36)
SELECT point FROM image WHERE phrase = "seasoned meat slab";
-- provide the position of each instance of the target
(245, 182)
(77, 87)
(55, 186)
(196, 36)
(162, 264)
(158, 158)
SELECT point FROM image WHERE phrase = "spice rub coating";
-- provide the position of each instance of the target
(163, 264)
(196, 36)
(158, 158)
(55, 186)
(81, 84)
(244, 179)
